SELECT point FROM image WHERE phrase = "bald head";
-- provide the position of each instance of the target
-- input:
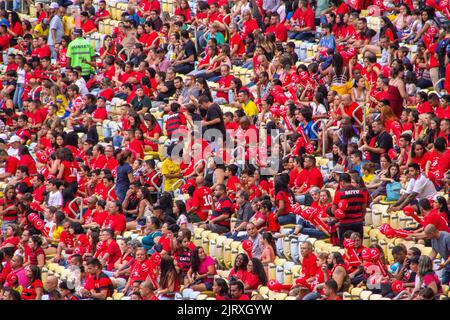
(346, 99)
(431, 232)
(51, 283)
(200, 180)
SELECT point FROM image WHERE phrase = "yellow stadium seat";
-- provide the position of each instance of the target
(280, 296)
(235, 244)
(117, 296)
(202, 297)
(296, 269)
(365, 295)
(288, 277)
(272, 271)
(205, 245)
(347, 296)
(290, 298)
(375, 297)
(356, 293)
(198, 240)
(234, 253)
(213, 236)
(263, 290)
(279, 262)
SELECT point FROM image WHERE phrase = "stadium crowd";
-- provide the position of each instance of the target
(226, 149)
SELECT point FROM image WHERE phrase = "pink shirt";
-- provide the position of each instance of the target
(203, 268)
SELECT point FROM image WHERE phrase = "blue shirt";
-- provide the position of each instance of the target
(328, 42)
(123, 183)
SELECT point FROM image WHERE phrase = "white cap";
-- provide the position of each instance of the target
(54, 5)
(14, 139)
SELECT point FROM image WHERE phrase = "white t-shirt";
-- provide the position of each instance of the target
(183, 219)
(55, 199)
(318, 109)
(81, 83)
(422, 186)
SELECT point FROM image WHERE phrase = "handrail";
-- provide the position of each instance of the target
(176, 182)
(77, 215)
(361, 124)
(109, 193)
(152, 181)
(197, 163)
(324, 136)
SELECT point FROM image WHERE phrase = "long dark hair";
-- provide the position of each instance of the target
(338, 64)
(36, 273)
(206, 91)
(244, 262)
(258, 269)
(443, 206)
(222, 284)
(195, 259)
(270, 239)
(388, 25)
(167, 271)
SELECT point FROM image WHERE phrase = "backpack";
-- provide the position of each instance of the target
(393, 191)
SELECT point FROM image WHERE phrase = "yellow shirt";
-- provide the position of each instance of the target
(41, 31)
(368, 178)
(169, 167)
(250, 109)
(69, 24)
(57, 234)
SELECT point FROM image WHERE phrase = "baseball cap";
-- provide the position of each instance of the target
(14, 139)
(54, 5)
(77, 31)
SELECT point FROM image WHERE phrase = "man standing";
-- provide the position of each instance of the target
(213, 122)
(383, 142)
(56, 29)
(356, 199)
(80, 53)
(440, 242)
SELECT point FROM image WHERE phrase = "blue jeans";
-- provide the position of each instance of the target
(17, 99)
(309, 229)
(301, 35)
(286, 219)
(445, 277)
(235, 237)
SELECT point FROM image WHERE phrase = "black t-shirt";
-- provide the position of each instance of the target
(383, 140)
(215, 112)
(139, 104)
(189, 50)
(164, 96)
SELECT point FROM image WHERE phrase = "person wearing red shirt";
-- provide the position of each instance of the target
(283, 202)
(98, 285)
(102, 13)
(100, 113)
(237, 46)
(309, 261)
(313, 176)
(443, 110)
(438, 162)
(11, 164)
(98, 158)
(277, 28)
(249, 24)
(87, 25)
(114, 220)
(146, 289)
(201, 201)
(330, 290)
(237, 291)
(302, 23)
(220, 93)
(112, 252)
(111, 161)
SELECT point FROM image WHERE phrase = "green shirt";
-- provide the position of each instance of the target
(78, 50)
(219, 37)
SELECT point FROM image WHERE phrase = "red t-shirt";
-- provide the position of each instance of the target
(202, 198)
(88, 26)
(309, 265)
(282, 195)
(116, 222)
(114, 252)
(237, 40)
